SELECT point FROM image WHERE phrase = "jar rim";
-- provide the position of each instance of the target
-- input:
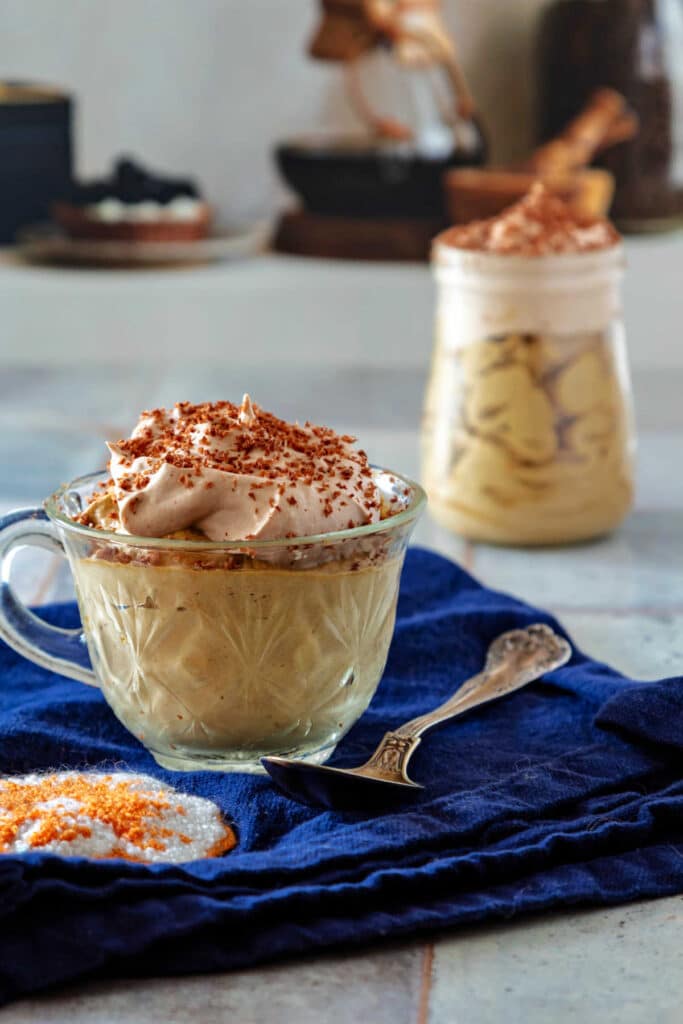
(473, 270)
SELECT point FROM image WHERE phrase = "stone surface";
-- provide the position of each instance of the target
(637, 568)
(617, 966)
(642, 646)
(375, 987)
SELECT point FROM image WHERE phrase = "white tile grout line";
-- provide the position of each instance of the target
(426, 975)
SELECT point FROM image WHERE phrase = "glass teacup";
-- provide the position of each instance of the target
(216, 654)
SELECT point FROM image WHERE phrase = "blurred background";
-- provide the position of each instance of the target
(125, 285)
(207, 86)
(210, 99)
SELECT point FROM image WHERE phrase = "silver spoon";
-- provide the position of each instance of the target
(513, 660)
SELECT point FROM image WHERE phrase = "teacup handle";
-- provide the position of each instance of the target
(60, 650)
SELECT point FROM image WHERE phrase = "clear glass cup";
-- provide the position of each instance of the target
(528, 434)
(216, 654)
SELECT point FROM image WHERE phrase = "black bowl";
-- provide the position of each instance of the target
(357, 177)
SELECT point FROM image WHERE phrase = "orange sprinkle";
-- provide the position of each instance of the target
(55, 806)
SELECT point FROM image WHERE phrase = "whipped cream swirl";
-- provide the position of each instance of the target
(238, 473)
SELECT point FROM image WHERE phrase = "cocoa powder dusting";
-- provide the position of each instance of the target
(266, 447)
(538, 225)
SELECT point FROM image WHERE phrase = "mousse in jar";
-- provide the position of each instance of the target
(528, 431)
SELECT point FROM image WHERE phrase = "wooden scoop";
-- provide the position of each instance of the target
(473, 193)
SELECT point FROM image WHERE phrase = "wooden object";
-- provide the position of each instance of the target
(477, 193)
(604, 121)
(415, 29)
(473, 194)
(412, 30)
(361, 238)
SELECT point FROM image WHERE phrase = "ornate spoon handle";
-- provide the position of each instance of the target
(513, 660)
(478, 690)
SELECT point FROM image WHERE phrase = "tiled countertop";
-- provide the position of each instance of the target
(621, 599)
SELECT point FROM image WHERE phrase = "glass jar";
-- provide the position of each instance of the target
(636, 47)
(528, 434)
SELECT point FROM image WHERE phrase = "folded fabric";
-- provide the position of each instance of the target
(568, 792)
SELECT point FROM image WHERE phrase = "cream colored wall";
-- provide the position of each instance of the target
(207, 85)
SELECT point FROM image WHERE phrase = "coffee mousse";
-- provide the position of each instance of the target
(209, 643)
(528, 428)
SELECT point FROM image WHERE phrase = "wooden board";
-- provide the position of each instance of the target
(387, 238)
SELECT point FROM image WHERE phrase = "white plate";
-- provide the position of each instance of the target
(45, 243)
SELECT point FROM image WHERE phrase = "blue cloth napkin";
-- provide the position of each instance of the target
(569, 792)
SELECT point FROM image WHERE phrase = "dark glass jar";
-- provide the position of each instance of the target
(35, 153)
(636, 47)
